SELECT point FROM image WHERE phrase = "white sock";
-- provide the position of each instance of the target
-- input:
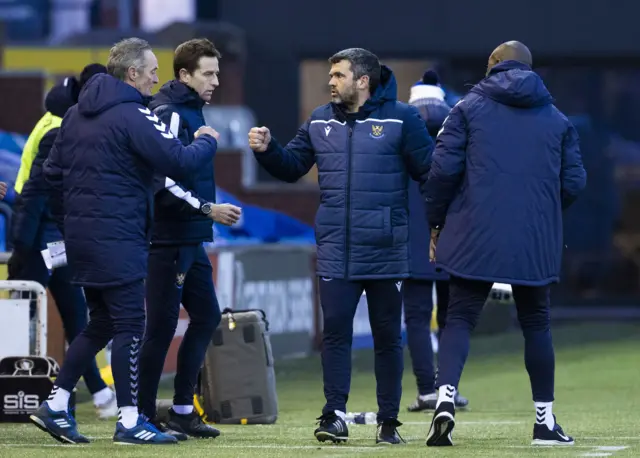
(58, 400)
(102, 397)
(340, 414)
(446, 393)
(544, 414)
(183, 410)
(128, 416)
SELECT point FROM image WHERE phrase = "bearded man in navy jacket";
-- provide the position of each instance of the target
(507, 163)
(367, 146)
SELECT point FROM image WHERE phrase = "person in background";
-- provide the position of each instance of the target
(179, 268)
(417, 290)
(367, 145)
(507, 163)
(32, 227)
(101, 173)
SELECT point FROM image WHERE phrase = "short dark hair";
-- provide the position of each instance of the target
(188, 55)
(89, 71)
(362, 62)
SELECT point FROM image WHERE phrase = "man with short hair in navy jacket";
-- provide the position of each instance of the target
(507, 163)
(32, 227)
(367, 145)
(101, 168)
(179, 268)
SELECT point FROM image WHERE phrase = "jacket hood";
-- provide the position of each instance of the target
(62, 96)
(387, 90)
(176, 92)
(103, 92)
(514, 84)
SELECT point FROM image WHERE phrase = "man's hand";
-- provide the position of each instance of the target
(3, 189)
(226, 214)
(435, 234)
(206, 130)
(259, 138)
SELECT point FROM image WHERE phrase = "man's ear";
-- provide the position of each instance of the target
(183, 73)
(132, 73)
(363, 82)
(493, 61)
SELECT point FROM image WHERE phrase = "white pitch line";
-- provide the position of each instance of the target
(333, 448)
(547, 447)
(607, 438)
(42, 445)
(605, 450)
(488, 423)
(597, 450)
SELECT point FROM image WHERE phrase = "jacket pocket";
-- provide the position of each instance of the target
(387, 230)
(149, 210)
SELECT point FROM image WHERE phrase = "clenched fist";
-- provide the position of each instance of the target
(206, 130)
(259, 138)
(226, 214)
(3, 189)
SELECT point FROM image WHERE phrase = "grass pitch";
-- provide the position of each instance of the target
(597, 402)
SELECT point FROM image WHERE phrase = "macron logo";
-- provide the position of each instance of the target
(159, 125)
(327, 130)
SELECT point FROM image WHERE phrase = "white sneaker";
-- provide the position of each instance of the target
(109, 409)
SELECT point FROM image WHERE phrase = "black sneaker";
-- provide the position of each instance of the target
(429, 403)
(388, 432)
(332, 428)
(163, 428)
(542, 435)
(442, 425)
(191, 425)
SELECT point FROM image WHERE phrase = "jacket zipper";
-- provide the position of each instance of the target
(347, 251)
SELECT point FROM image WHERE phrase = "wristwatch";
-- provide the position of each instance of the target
(206, 208)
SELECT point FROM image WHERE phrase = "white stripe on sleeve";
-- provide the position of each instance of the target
(174, 125)
(180, 193)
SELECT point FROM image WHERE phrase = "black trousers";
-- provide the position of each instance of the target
(339, 300)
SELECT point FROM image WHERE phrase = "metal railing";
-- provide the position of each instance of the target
(39, 294)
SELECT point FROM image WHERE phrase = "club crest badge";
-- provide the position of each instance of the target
(377, 131)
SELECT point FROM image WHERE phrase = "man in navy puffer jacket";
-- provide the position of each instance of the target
(417, 291)
(179, 268)
(507, 163)
(32, 227)
(366, 145)
(102, 165)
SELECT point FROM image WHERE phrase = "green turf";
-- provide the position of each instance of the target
(598, 402)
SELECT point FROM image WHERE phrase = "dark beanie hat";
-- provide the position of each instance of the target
(431, 77)
(89, 71)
